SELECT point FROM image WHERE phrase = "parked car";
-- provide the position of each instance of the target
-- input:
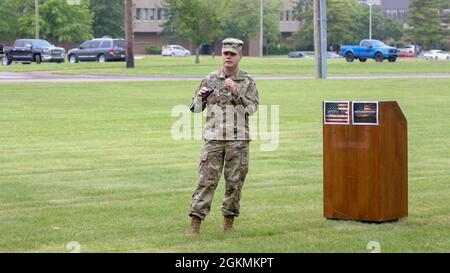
(416, 49)
(2, 53)
(332, 55)
(98, 50)
(33, 50)
(296, 54)
(436, 54)
(407, 51)
(373, 49)
(174, 50)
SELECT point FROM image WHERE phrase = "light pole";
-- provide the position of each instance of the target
(36, 17)
(370, 4)
(320, 38)
(370, 20)
(261, 22)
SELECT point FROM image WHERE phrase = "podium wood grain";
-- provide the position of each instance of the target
(365, 168)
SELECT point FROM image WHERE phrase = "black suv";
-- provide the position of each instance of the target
(33, 50)
(100, 50)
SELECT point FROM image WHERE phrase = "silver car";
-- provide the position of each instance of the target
(436, 54)
(175, 50)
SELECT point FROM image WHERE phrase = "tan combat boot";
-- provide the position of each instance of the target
(228, 223)
(194, 229)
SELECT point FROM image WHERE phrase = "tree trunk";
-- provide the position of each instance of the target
(129, 33)
(197, 54)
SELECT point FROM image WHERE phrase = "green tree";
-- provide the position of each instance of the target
(7, 19)
(341, 24)
(271, 23)
(10, 12)
(347, 23)
(389, 28)
(60, 21)
(241, 20)
(196, 20)
(108, 18)
(383, 26)
(425, 18)
(231, 18)
(445, 16)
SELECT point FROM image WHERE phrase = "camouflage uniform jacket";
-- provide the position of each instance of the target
(227, 117)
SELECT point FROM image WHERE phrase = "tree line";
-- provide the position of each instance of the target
(62, 20)
(429, 22)
(205, 21)
(426, 23)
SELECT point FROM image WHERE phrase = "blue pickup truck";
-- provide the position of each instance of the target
(369, 49)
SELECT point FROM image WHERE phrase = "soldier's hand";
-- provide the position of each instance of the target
(231, 85)
(202, 91)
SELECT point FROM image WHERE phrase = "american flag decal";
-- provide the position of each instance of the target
(336, 112)
(365, 112)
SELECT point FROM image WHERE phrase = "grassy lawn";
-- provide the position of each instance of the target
(164, 66)
(96, 164)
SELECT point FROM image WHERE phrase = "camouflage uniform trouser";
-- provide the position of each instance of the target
(215, 154)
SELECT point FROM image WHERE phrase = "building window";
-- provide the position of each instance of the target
(138, 14)
(287, 15)
(282, 16)
(165, 14)
(159, 14)
(152, 14)
(146, 14)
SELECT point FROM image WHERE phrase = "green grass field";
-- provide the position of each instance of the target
(157, 65)
(96, 164)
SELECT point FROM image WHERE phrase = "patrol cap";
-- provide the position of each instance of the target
(232, 45)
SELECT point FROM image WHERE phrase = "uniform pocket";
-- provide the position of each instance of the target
(243, 90)
(244, 159)
(203, 158)
(244, 166)
(212, 99)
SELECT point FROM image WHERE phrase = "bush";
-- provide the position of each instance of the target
(280, 49)
(398, 44)
(443, 45)
(153, 50)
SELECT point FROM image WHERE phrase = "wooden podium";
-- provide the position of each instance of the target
(365, 163)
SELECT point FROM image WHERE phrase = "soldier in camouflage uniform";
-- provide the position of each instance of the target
(230, 96)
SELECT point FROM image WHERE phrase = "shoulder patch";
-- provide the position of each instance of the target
(246, 75)
(213, 75)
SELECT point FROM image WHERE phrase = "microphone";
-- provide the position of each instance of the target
(212, 88)
(209, 92)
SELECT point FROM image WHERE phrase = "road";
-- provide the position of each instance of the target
(47, 77)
